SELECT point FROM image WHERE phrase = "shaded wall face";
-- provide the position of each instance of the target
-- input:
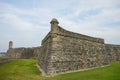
(36, 52)
(113, 52)
(69, 54)
(27, 53)
(43, 57)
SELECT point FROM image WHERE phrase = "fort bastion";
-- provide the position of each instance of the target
(64, 51)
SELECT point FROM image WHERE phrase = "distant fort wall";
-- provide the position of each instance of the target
(64, 51)
(22, 52)
(113, 52)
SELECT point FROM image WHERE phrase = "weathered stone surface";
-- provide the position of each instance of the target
(63, 51)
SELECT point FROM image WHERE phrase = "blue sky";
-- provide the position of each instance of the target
(26, 22)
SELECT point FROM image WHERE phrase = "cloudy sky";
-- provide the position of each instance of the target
(26, 22)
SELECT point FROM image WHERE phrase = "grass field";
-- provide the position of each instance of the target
(25, 69)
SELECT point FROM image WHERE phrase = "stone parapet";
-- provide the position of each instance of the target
(80, 36)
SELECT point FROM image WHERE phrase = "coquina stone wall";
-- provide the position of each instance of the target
(23, 53)
(64, 51)
(113, 52)
(45, 54)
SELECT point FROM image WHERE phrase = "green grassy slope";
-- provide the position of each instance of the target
(25, 69)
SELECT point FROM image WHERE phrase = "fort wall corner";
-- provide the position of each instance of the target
(63, 51)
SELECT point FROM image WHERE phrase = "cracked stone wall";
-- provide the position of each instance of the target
(45, 53)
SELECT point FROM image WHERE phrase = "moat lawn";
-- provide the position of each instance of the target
(25, 69)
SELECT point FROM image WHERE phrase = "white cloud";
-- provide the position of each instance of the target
(28, 26)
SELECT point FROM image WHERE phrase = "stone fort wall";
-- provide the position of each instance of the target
(23, 53)
(64, 51)
(113, 52)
